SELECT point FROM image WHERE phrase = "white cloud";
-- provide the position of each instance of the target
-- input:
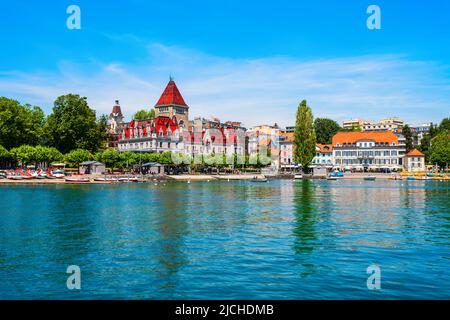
(252, 91)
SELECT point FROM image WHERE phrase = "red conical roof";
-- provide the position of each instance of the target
(171, 96)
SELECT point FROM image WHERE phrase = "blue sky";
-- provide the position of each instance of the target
(251, 61)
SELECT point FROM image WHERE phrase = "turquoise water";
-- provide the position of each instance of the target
(226, 240)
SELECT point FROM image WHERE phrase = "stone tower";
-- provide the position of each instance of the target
(171, 103)
(116, 119)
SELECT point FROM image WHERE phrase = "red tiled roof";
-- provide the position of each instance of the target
(325, 148)
(157, 125)
(414, 153)
(352, 137)
(171, 96)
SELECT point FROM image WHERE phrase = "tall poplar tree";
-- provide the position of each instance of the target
(304, 136)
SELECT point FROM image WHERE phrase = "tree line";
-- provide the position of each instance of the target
(71, 125)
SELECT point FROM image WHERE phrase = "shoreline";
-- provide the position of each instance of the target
(204, 177)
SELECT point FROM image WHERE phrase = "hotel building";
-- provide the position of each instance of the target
(359, 151)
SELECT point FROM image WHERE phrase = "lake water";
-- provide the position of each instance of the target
(226, 240)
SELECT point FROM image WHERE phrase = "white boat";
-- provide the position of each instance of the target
(77, 180)
(129, 179)
(55, 174)
(15, 177)
(298, 177)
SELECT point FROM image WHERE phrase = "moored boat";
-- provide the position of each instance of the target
(259, 179)
(55, 174)
(369, 178)
(15, 177)
(298, 177)
(77, 180)
(129, 179)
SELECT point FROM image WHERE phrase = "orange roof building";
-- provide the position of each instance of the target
(414, 161)
(414, 153)
(350, 138)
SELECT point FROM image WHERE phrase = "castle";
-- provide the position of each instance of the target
(171, 130)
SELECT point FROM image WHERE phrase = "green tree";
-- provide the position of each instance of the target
(440, 149)
(144, 114)
(73, 125)
(77, 156)
(46, 155)
(20, 125)
(128, 159)
(5, 155)
(110, 157)
(325, 129)
(407, 133)
(304, 136)
(24, 154)
(445, 124)
(165, 158)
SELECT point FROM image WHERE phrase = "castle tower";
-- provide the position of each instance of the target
(171, 103)
(116, 118)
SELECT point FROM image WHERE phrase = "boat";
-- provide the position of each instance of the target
(411, 178)
(77, 180)
(369, 178)
(261, 179)
(105, 179)
(336, 174)
(129, 179)
(298, 177)
(55, 174)
(15, 177)
(332, 178)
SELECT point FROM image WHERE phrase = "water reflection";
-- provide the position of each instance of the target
(305, 220)
(171, 228)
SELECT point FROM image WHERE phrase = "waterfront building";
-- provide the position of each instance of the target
(152, 135)
(265, 140)
(171, 130)
(388, 124)
(92, 167)
(287, 152)
(414, 161)
(323, 157)
(377, 151)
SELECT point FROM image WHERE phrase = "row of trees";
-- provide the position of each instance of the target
(29, 155)
(71, 125)
(435, 144)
